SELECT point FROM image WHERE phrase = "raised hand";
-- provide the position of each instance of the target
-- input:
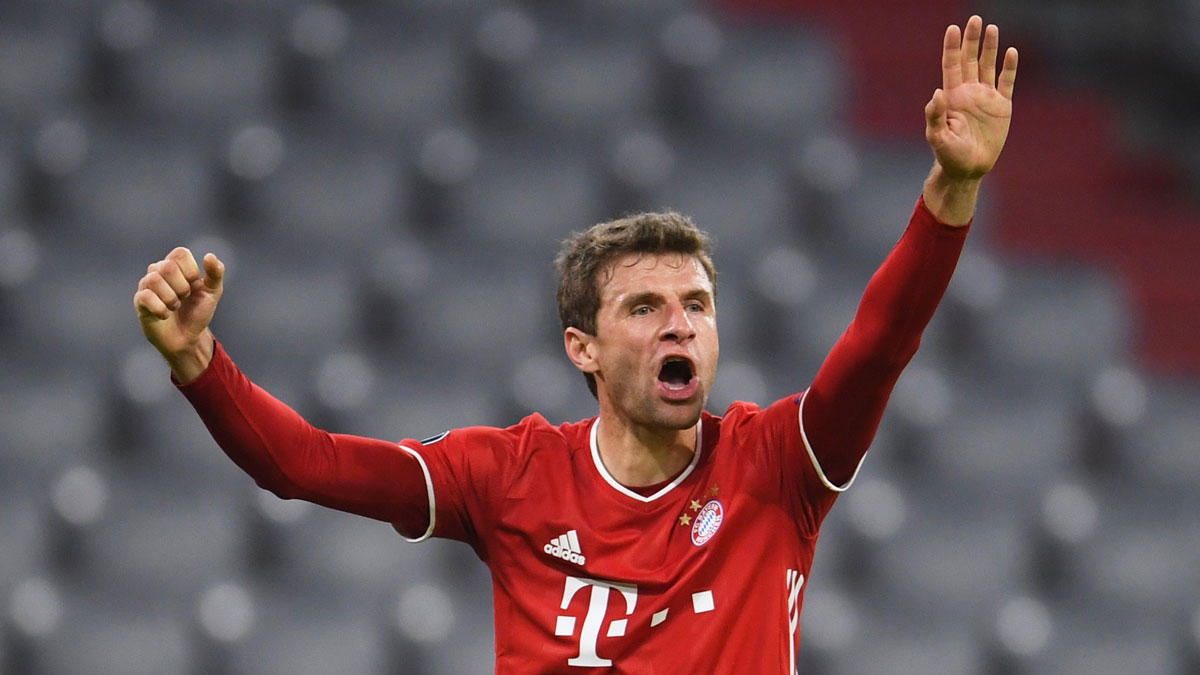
(967, 120)
(175, 303)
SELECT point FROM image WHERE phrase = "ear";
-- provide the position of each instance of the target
(581, 349)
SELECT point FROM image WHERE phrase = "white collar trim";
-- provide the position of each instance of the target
(630, 493)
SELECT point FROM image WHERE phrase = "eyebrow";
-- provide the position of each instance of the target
(643, 298)
(650, 297)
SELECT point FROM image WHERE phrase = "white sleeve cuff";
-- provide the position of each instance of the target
(429, 489)
(813, 456)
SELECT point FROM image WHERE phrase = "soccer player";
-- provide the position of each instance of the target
(655, 537)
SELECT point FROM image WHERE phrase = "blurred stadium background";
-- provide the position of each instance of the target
(388, 182)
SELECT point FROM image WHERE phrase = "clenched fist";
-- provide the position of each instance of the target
(175, 302)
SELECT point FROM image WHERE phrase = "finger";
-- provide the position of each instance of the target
(173, 275)
(187, 263)
(970, 49)
(214, 272)
(1008, 75)
(154, 283)
(951, 58)
(148, 304)
(987, 60)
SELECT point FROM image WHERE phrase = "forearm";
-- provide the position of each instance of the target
(285, 454)
(845, 404)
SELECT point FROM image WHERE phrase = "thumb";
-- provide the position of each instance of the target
(935, 109)
(214, 273)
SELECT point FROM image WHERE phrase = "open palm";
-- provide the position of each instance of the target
(967, 119)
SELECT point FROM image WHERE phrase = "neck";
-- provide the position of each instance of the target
(637, 456)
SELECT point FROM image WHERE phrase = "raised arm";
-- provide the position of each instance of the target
(270, 441)
(967, 121)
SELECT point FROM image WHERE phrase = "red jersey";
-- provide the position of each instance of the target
(705, 575)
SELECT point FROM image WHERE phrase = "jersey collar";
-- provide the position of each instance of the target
(630, 493)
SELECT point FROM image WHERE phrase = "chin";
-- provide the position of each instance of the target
(681, 416)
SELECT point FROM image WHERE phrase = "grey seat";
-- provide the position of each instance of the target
(732, 194)
(1145, 555)
(157, 537)
(1058, 320)
(778, 82)
(892, 643)
(203, 68)
(951, 556)
(1095, 638)
(388, 86)
(528, 193)
(23, 537)
(320, 193)
(48, 418)
(1017, 435)
(138, 184)
(583, 86)
(101, 636)
(1165, 451)
(43, 69)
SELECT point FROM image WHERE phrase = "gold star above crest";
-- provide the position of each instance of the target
(695, 505)
(714, 490)
(685, 520)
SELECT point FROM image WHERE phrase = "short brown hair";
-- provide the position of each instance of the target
(586, 255)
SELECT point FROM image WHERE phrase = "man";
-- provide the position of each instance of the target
(656, 537)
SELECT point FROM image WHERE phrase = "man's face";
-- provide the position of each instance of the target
(655, 349)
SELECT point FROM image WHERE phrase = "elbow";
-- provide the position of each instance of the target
(282, 488)
(904, 353)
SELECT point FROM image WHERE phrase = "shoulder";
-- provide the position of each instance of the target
(737, 415)
(531, 435)
(747, 420)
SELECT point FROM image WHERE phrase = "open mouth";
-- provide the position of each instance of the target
(676, 373)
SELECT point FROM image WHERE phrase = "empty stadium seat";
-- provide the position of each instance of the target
(1065, 324)
(1163, 451)
(202, 66)
(102, 636)
(23, 533)
(582, 86)
(498, 208)
(135, 184)
(43, 68)
(1020, 440)
(729, 192)
(1092, 638)
(310, 194)
(781, 81)
(386, 84)
(892, 642)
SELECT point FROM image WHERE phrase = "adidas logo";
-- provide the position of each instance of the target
(566, 546)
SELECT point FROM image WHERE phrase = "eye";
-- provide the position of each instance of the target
(695, 307)
(641, 311)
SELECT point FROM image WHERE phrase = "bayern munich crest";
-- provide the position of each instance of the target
(707, 522)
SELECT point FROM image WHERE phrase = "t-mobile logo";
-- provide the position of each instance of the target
(589, 633)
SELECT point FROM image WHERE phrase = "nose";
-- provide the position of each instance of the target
(678, 326)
